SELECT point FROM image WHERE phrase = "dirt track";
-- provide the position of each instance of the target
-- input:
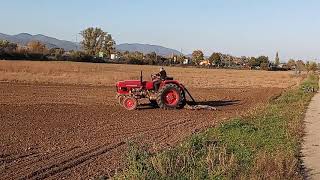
(58, 131)
(311, 144)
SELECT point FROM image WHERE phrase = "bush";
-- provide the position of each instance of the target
(311, 84)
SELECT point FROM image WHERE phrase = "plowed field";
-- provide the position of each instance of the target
(55, 125)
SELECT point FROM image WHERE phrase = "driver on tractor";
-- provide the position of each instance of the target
(161, 76)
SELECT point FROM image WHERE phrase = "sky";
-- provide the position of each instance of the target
(236, 27)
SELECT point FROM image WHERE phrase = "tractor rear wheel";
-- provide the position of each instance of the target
(130, 103)
(170, 97)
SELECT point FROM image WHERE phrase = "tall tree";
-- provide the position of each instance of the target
(300, 66)
(95, 40)
(277, 60)
(197, 56)
(291, 63)
(307, 65)
(56, 52)
(181, 58)
(253, 62)
(37, 47)
(313, 66)
(109, 46)
(150, 58)
(6, 46)
(215, 59)
(263, 59)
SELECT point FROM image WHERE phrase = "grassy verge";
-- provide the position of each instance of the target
(265, 145)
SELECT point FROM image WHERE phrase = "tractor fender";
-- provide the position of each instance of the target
(173, 82)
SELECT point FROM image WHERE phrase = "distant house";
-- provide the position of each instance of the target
(114, 56)
(280, 67)
(175, 59)
(283, 65)
(204, 63)
(186, 61)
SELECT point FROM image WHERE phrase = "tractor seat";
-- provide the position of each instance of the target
(169, 78)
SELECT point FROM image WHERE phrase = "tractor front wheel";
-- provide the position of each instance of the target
(170, 97)
(130, 103)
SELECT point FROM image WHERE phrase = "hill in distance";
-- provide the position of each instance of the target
(147, 48)
(50, 42)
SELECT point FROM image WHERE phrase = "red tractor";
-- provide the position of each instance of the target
(170, 94)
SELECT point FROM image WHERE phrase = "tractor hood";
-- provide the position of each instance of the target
(129, 83)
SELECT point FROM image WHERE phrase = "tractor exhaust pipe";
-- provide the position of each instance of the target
(141, 77)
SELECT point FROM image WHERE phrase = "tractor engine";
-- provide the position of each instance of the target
(139, 92)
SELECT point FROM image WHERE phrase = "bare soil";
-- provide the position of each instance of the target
(79, 131)
(61, 119)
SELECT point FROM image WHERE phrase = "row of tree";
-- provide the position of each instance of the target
(98, 46)
(36, 50)
(302, 66)
(33, 50)
(262, 62)
(95, 43)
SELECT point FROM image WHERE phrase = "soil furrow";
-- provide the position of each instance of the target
(80, 132)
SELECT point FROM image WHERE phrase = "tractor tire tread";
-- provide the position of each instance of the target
(160, 102)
